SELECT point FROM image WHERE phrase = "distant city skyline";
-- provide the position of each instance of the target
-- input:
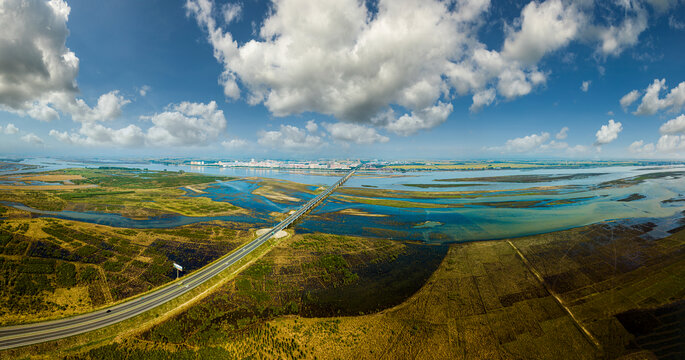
(297, 79)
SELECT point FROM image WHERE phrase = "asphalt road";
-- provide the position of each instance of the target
(22, 335)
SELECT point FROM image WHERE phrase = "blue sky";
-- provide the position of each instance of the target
(303, 79)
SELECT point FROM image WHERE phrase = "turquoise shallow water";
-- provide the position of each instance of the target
(467, 219)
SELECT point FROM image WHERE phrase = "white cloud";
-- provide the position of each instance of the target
(234, 144)
(108, 107)
(93, 134)
(672, 140)
(354, 133)
(629, 98)
(674, 126)
(545, 27)
(290, 138)
(187, 124)
(554, 145)
(562, 134)
(639, 147)
(608, 133)
(526, 143)
(541, 143)
(616, 38)
(33, 139)
(578, 149)
(585, 86)
(355, 65)
(312, 126)
(671, 143)
(10, 129)
(144, 90)
(184, 124)
(482, 98)
(37, 71)
(41, 110)
(409, 57)
(231, 12)
(34, 61)
(651, 103)
(427, 118)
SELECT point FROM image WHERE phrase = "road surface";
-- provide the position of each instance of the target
(22, 335)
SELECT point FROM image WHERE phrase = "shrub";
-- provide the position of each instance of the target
(66, 274)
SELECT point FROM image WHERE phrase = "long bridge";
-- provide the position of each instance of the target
(22, 335)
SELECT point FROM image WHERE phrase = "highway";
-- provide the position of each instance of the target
(22, 335)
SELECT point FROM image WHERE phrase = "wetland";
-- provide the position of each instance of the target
(385, 267)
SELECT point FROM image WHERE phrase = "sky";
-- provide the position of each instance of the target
(302, 79)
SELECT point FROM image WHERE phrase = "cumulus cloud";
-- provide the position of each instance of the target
(403, 61)
(290, 138)
(34, 60)
(616, 38)
(578, 149)
(10, 129)
(33, 139)
(312, 126)
(234, 144)
(37, 71)
(629, 98)
(354, 133)
(427, 118)
(109, 106)
(554, 145)
(562, 134)
(187, 124)
(671, 143)
(545, 27)
(357, 65)
(184, 124)
(585, 86)
(672, 140)
(639, 147)
(349, 64)
(41, 110)
(482, 98)
(651, 102)
(526, 143)
(93, 134)
(542, 143)
(608, 133)
(674, 126)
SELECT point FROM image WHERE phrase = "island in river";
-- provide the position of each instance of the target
(374, 272)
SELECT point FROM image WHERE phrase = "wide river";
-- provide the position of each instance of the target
(511, 210)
